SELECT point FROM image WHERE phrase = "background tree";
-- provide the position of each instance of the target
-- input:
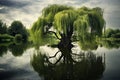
(18, 28)
(18, 39)
(3, 28)
(6, 38)
(110, 33)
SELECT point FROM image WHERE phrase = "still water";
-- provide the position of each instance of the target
(17, 63)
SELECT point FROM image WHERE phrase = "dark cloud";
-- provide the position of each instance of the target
(9, 7)
(13, 3)
(4, 10)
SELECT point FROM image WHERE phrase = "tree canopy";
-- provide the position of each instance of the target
(110, 33)
(18, 28)
(3, 28)
(66, 22)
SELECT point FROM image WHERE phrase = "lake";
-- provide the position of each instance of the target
(19, 62)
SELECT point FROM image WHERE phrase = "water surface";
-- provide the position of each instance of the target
(16, 64)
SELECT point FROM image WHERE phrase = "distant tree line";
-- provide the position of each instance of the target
(110, 33)
(3, 28)
(16, 29)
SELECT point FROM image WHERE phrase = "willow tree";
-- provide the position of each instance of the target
(65, 22)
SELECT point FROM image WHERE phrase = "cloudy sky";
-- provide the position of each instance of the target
(28, 11)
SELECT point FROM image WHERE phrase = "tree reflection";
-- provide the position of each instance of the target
(3, 50)
(4, 47)
(69, 66)
(65, 22)
(18, 50)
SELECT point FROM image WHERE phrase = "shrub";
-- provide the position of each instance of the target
(18, 38)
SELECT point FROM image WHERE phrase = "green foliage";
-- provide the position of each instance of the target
(18, 38)
(39, 25)
(110, 44)
(81, 26)
(93, 19)
(16, 49)
(38, 33)
(39, 40)
(36, 38)
(96, 22)
(68, 22)
(50, 11)
(64, 21)
(3, 28)
(88, 42)
(110, 33)
(39, 58)
(6, 38)
(116, 35)
(18, 28)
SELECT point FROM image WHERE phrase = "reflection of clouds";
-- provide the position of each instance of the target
(112, 63)
(17, 68)
(19, 62)
(28, 11)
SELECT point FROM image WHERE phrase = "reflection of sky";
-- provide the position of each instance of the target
(17, 68)
(28, 11)
(112, 70)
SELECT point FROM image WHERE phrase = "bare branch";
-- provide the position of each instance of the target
(54, 34)
(76, 54)
(58, 59)
(55, 54)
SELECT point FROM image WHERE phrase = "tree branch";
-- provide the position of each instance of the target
(58, 60)
(76, 54)
(55, 54)
(53, 46)
(54, 34)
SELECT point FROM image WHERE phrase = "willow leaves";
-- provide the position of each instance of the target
(68, 21)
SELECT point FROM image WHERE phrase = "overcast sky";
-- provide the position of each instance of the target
(28, 11)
